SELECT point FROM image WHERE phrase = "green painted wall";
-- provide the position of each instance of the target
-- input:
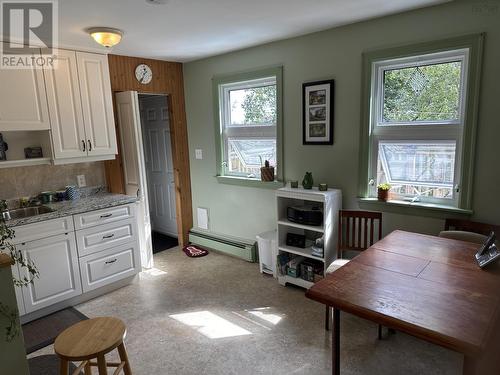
(336, 53)
(12, 354)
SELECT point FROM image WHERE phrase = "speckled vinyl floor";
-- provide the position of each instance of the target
(218, 315)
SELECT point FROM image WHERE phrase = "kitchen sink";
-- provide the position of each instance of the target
(21, 213)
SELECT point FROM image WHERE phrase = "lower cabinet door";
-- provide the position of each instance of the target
(108, 266)
(56, 259)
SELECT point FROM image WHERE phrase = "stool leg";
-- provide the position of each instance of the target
(124, 358)
(64, 367)
(101, 365)
(88, 369)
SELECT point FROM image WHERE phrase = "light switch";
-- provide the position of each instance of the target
(198, 154)
(81, 181)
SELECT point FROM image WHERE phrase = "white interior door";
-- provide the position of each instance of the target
(159, 163)
(129, 121)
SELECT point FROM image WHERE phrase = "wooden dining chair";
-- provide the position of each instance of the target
(471, 226)
(357, 231)
(470, 231)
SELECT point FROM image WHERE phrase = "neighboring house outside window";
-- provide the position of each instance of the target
(248, 123)
(421, 122)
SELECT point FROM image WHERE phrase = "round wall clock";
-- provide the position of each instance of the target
(143, 74)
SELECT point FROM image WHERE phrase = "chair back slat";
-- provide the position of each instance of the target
(360, 220)
(357, 230)
(348, 232)
(471, 226)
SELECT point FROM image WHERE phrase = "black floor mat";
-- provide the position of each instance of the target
(163, 242)
(42, 332)
(47, 365)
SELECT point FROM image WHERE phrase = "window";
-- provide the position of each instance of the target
(421, 123)
(248, 123)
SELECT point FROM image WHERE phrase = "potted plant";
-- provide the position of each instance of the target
(267, 172)
(383, 191)
(6, 246)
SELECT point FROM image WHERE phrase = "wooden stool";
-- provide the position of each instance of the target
(93, 339)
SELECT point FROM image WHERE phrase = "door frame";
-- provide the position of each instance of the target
(178, 163)
(168, 80)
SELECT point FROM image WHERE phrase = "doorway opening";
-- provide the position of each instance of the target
(159, 170)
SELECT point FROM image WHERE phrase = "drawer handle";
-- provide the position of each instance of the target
(106, 215)
(108, 236)
(110, 261)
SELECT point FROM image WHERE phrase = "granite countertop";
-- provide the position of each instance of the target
(78, 206)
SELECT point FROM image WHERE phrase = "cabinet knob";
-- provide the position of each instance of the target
(106, 215)
(83, 143)
(110, 261)
(108, 236)
(90, 145)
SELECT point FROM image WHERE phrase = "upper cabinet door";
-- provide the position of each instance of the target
(23, 103)
(65, 107)
(95, 86)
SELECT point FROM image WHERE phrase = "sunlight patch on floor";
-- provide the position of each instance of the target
(267, 314)
(151, 273)
(210, 324)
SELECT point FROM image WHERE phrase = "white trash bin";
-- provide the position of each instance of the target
(268, 251)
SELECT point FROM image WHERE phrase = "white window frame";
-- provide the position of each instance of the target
(417, 131)
(244, 131)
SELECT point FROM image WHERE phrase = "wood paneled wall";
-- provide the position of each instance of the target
(167, 79)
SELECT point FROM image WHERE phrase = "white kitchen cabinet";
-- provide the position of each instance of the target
(56, 259)
(65, 107)
(97, 103)
(43, 229)
(81, 108)
(23, 101)
(110, 265)
(104, 216)
(102, 237)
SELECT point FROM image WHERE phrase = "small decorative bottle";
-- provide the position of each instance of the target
(308, 181)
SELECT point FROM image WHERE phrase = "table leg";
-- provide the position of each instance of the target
(470, 366)
(336, 342)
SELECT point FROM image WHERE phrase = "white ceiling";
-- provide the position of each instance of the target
(184, 30)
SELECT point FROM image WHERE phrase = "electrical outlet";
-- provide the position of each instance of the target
(198, 154)
(81, 181)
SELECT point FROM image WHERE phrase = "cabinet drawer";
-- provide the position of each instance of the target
(108, 215)
(103, 237)
(43, 229)
(109, 266)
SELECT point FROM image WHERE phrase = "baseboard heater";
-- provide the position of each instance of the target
(236, 247)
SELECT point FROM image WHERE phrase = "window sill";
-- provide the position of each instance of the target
(414, 208)
(250, 182)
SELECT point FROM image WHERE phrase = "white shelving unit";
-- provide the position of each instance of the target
(329, 202)
(19, 140)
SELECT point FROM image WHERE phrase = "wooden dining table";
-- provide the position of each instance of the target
(426, 286)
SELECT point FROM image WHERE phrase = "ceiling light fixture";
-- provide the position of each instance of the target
(157, 2)
(106, 36)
